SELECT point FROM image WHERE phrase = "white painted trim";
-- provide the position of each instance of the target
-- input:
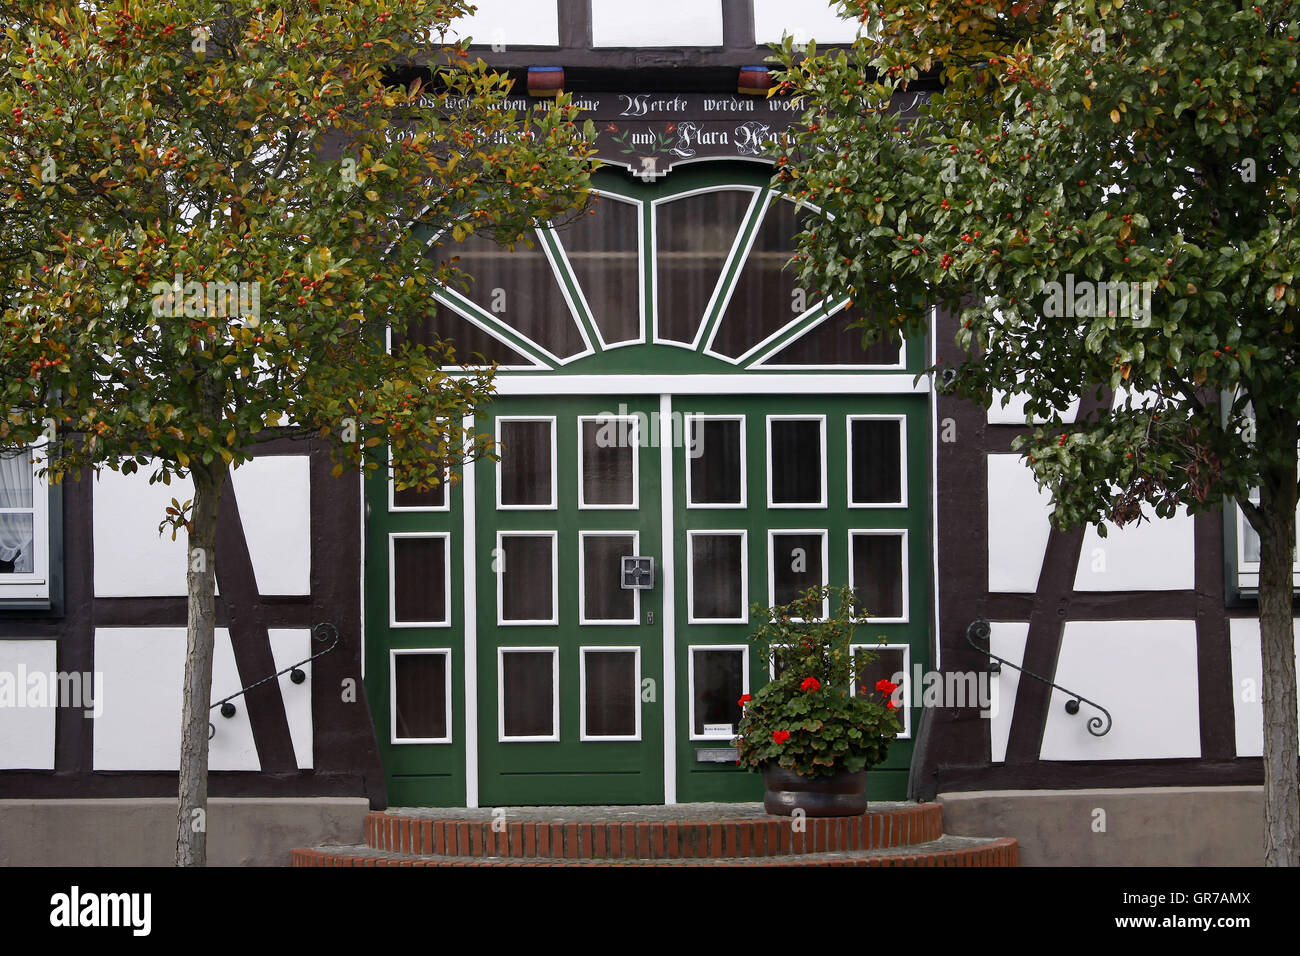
(902, 459)
(640, 274)
(33, 585)
(932, 533)
(393, 622)
(775, 341)
(738, 256)
(821, 461)
(362, 578)
(394, 508)
(772, 345)
(1247, 572)
(668, 613)
(691, 417)
(469, 532)
(634, 435)
(743, 650)
(446, 301)
(468, 310)
(739, 383)
(496, 435)
(906, 575)
(771, 564)
(555, 574)
(392, 697)
(555, 694)
(583, 651)
(558, 276)
(654, 251)
(905, 683)
(744, 575)
(635, 619)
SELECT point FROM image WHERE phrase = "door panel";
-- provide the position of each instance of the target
(808, 519)
(555, 628)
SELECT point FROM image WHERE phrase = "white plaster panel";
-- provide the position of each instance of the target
(1018, 523)
(288, 647)
(662, 23)
(1014, 411)
(140, 727)
(1247, 681)
(521, 22)
(274, 494)
(804, 20)
(1156, 555)
(1142, 399)
(1007, 641)
(27, 732)
(1144, 673)
(131, 558)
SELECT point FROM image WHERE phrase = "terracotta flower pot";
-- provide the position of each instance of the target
(841, 795)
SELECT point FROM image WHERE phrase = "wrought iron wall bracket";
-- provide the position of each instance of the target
(1097, 726)
(320, 633)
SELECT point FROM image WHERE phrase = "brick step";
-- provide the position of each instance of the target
(945, 851)
(686, 831)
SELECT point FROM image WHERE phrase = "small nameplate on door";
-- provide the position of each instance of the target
(638, 573)
(718, 730)
(717, 755)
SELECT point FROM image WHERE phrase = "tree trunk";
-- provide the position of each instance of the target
(1277, 645)
(191, 820)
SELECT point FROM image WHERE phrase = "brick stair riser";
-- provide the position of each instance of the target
(657, 840)
(999, 853)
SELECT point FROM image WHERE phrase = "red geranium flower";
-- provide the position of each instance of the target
(890, 704)
(886, 686)
(780, 736)
(742, 700)
(810, 683)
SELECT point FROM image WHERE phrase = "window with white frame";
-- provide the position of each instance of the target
(888, 662)
(718, 677)
(1248, 552)
(528, 694)
(1245, 557)
(24, 528)
(421, 696)
(611, 693)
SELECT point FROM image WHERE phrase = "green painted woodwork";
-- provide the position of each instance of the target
(572, 771)
(567, 771)
(698, 781)
(418, 774)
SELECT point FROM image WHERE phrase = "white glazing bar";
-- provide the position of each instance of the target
(468, 536)
(668, 613)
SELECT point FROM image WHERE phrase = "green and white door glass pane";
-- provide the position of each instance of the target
(778, 494)
(414, 665)
(568, 658)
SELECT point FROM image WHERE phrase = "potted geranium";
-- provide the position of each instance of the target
(814, 729)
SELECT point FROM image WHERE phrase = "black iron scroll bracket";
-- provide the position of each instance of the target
(980, 630)
(320, 633)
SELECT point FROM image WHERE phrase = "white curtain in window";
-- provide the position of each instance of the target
(17, 530)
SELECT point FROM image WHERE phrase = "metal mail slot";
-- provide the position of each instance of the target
(717, 755)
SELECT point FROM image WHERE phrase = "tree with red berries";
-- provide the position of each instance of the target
(1104, 194)
(211, 211)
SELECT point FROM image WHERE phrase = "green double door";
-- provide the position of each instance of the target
(508, 664)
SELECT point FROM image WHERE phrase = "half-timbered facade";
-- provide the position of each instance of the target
(684, 433)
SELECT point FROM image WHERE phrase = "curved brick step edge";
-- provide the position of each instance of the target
(1002, 852)
(653, 840)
